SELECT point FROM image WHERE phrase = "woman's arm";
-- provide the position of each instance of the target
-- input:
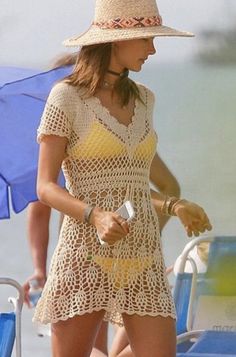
(193, 217)
(166, 183)
(110, 226)
(51, 155)
(38, 216)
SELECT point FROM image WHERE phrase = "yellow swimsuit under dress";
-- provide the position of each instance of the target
(106, 164)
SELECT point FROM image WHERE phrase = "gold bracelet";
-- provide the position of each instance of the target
(174, 205)
(172, 202)
(168, 204)
(163, 206)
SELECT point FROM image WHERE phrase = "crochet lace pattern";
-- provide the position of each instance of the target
(106, 164)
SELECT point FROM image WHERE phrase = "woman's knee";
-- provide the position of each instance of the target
(151, 336)
(75, 337)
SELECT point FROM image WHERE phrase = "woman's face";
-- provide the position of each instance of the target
(131, 54)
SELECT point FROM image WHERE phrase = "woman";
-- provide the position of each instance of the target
(38, 219)
(97, 124)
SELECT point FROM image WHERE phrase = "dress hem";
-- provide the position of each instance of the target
(112, 321)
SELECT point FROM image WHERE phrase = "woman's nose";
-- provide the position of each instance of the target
(152, 49)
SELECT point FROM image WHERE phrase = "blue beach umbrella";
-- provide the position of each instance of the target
(23, 93)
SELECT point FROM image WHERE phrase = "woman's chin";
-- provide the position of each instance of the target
(137, 68)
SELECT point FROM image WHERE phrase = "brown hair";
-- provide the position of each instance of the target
(91, 65)
(68, 59)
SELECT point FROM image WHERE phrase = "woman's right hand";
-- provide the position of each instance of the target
(110, 226)
(40, 277)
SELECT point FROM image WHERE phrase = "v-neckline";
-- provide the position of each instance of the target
(131, 134)
(107, 112)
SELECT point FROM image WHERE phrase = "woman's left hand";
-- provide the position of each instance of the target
(193, 217)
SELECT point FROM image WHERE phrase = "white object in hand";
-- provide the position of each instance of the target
(35, 292)
(126, 211)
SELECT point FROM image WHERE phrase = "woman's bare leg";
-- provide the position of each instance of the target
(120, 345)
(151, 336)
(97, 353)
(100, 346)
(75, 337)
(126, 352)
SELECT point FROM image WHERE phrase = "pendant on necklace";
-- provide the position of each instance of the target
(107, 85)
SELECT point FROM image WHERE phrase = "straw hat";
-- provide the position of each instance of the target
(117, 20)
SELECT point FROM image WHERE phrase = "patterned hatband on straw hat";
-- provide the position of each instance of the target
(117, 20)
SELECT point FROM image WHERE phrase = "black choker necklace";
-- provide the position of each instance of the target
(122, 74)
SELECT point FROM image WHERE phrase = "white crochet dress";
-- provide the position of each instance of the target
(106, 164)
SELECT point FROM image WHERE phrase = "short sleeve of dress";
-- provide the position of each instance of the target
(148, 98)
(57, 117)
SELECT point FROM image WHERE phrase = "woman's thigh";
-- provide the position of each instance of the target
(151, 336)
(75, 337)
(101, 340)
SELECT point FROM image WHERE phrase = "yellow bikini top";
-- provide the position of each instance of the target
(111, 145)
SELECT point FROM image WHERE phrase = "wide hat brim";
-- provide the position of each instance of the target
(96, 35)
